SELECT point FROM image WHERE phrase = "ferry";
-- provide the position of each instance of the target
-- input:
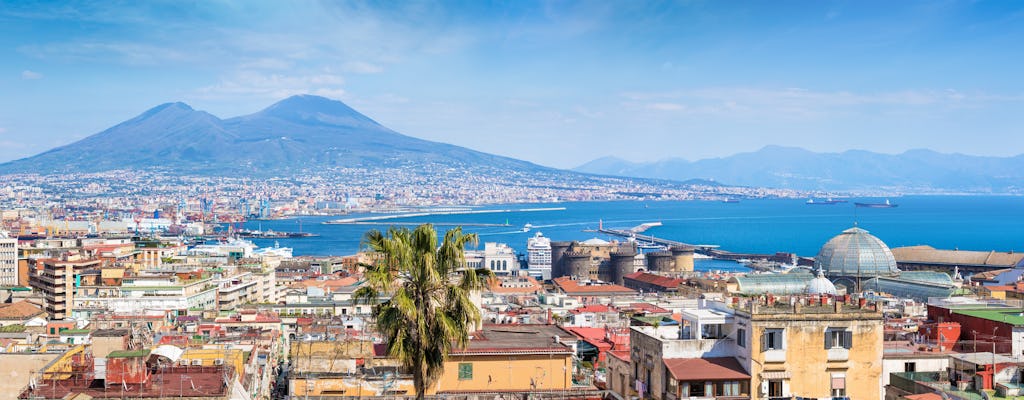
(887, 204)
(730, 200)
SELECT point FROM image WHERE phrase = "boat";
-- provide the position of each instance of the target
(887, 204)
(730, 200)
(527, 227)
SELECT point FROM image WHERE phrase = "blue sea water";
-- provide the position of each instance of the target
(755, 226)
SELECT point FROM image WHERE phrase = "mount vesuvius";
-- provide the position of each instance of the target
(298, 133)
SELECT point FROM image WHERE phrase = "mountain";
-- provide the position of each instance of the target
(914, 171)
(297, 133)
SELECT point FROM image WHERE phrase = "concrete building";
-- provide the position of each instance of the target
(810, 350)
(499, 258)
(8, 260)
(57, 281)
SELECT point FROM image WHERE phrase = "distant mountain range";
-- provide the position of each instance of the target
(298, 133)
(914, 171)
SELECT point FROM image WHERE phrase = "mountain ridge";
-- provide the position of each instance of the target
(296, 133)
(914, 170)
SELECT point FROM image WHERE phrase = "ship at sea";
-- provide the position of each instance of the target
(886, 204)
(827, 202)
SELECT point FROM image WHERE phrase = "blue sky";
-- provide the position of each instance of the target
(558, 83)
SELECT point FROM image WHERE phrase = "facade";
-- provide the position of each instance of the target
(8, 260)
(57, 281)
(499, 258)
(812, 351)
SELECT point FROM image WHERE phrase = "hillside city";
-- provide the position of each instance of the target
(119, 284)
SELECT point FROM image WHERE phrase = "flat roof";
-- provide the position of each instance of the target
(517, 339)
(983, 358)
(1010, 316)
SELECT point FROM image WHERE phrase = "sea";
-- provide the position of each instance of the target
(748, 226)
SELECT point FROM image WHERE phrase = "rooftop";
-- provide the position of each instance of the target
(1013, 316)
(579, 288)
(704, 369)
(508, 339)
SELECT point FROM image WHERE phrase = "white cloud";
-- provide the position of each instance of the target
(274, 86)
(30, 75)
(666, 106)
(362, 67)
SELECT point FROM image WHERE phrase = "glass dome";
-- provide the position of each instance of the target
(820, 285)
(855, 253)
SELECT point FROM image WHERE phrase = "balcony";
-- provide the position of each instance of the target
(838, 354)
(775, 356)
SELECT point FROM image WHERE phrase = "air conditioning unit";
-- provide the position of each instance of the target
(197, 362)
(219, 361)
(183, 362)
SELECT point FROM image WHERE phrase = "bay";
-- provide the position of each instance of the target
(751, 226)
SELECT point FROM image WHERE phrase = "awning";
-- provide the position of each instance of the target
(776, 375)
(705, 369)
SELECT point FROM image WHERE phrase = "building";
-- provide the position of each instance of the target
(699, 358)
(652, 283)
(538, 256)
(499, 258)
(591, 291)
(57, 281)
(805, 349)
(930, 258)
(8, 260)
(592, 259)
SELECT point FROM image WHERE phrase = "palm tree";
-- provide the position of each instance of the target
(429, 310)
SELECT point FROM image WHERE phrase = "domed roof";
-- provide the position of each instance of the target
(820, 285)
(856, 253)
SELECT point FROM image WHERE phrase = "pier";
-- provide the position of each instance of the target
(709, 250)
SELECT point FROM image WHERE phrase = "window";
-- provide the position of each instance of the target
(839, 385)
(696, 389)
(771, 339)
(465, 371)
(774, 388)
(838, 338)
(909, 367)
(741, 338)
(730, 388)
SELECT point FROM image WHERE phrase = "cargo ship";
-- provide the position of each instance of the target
(887, 204)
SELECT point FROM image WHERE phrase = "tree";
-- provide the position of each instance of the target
(429, 309)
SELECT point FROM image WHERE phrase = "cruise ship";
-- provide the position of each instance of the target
(538, 256)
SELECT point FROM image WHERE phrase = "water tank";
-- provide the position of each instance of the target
(622, 264)
(557, 250)
(577, 264)
(660, 261)
(683, 258)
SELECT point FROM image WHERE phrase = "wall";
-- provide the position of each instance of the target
(922, 364)
(501, 373)
(16, 371)
(806, 359)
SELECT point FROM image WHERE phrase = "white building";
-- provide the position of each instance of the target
(8, 260)
(497, 257)
(538, 250)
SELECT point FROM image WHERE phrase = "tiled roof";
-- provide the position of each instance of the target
(620, 354)
(705, 369)
(574, 288)
(592, 308)
(516, 339)
(657, 280)
(19, 310)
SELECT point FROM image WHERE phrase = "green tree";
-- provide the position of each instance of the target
(428, 286)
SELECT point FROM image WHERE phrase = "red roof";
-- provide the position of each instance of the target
(592, 308)
(705, 369)
(924, 396)
(574, 288)
(620, 354)
(657, 280)
(648, 308)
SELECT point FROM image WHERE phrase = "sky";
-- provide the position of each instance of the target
(558, 83)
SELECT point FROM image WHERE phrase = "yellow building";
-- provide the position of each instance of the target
(812, 351)
(500, 358)
(208, 357)
(510, 358)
